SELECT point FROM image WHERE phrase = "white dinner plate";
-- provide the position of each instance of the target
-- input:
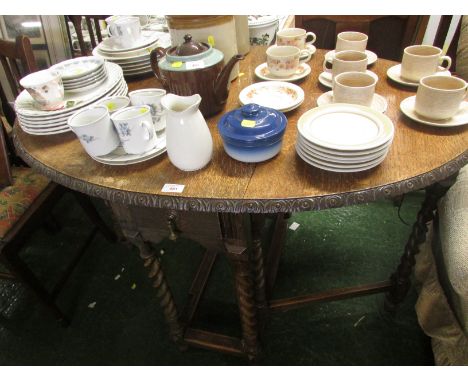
(459, 119)
(119, 157)
(322, 166)
(89, 77)
(78, 67)
(394, 73)
(278, 95)
(262, 72)
(147, 38)
(371, 56)
(24, 103)
(345, 127)
(379, 103)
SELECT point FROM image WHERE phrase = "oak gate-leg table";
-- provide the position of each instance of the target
(224, 205)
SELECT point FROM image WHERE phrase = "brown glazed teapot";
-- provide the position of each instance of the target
(195, 68)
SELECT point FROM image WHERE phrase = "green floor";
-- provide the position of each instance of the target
(333, 248)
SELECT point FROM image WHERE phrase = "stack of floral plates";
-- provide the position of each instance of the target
(41, 122)
(136, 60)
(278, 95)
(344, 137)
(81, 74)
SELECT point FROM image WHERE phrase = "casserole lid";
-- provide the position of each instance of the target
(252, 125)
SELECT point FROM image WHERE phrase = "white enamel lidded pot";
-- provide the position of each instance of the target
(252, 133)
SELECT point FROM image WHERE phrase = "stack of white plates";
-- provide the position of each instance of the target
(41, 122)
(344, 137)
(81, 74)
(136, 60)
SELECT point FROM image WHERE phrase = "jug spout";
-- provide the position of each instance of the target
(179, 104)
(221, 84)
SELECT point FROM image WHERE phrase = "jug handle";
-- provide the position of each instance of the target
(156, 54)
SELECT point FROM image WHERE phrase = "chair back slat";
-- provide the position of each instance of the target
(94, 31)
(5, 170)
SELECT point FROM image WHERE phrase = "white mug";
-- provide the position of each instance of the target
(351, 41)
(439, 97)
(125, 30)
(283, 61)
(135, 128)
(422, 60)
(346, 61)
(354, 87)
(95, 130)
(46, 89)
(152, 98)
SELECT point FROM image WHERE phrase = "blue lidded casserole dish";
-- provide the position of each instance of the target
(252, 133)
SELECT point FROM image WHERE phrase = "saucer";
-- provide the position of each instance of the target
(325, 78)
(379, 103)
(262, 72)
(459, 119)
(371, 56)
(281, 96)
(394, 74)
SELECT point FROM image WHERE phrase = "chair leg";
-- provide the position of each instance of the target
(88, 207)
(21, 271)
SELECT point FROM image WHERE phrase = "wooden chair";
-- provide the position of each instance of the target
(26, 198)
(388, 35)
(95, 40)
(441, 36)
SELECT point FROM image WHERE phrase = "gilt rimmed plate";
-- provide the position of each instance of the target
(278, 95)
(459, 119)
(262, 72)
(345, 127)
(78, 67)
(24, 103)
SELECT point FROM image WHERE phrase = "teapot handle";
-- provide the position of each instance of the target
(154, 55)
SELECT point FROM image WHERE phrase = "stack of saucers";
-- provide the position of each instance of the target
(81, 74)
(344, 137)
(135, 60)
(41, 122)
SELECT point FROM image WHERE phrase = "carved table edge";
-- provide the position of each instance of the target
(246, 205)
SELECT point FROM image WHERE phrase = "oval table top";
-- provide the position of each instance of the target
(419, 156)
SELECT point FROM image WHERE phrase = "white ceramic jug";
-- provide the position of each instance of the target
(188, 139)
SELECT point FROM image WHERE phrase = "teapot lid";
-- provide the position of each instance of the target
(189, 47)
(252, 125)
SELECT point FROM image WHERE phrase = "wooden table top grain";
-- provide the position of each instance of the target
(419, 156)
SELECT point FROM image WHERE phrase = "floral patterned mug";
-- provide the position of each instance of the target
(283, 61)
(296, 37)
(46, 89)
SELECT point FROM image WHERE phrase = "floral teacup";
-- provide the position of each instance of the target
(46, 88)
(283, 61)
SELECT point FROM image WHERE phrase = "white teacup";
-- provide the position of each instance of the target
(283, 61)
(152, 98)
(351, 41)
(114, 103)
(346, 61)
(422, 60)
(295, 37)
(95, 130)
(135, 128)
(439, 97)
(46, 88)
(354, 87)
(126, 31)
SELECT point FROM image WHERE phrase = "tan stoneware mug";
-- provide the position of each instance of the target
(283, 61)
(346, 61)
(354, 87)
(439, 97)
(422, 60)
(351, 41)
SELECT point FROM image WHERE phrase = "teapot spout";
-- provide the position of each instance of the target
(221, 84)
